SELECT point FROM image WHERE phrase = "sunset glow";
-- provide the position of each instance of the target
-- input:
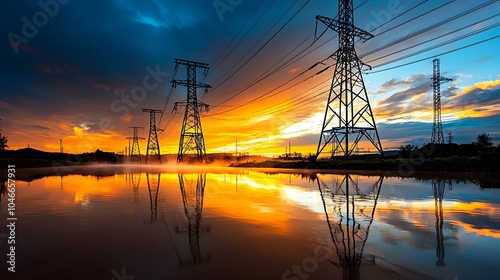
(81, 93)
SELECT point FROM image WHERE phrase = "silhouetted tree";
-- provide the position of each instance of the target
(3, 143)
(484, 141)
(406, 150)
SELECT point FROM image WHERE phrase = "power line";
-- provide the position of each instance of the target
(441, 44)
(279, 68)
(435, 38)
(421, 31)
(219, 61)
(429, 57)
(292, 60)
(263, 46)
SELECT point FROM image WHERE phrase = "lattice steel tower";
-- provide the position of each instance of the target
(348, 111)
(135, 151)
(437, 80)
(191, 139)
(153, 148)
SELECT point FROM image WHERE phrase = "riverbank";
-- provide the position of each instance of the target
(403, 166)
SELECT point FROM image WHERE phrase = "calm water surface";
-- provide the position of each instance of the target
(165, 223)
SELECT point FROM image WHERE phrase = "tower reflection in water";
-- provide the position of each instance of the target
(349, 206)
(153, 189)
(438, 189)
(192, 188)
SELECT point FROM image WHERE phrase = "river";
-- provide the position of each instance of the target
(131, 222)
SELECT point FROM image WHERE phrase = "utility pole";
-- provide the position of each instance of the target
(437, 80)
(290, 148)
(348, 110)
(191, 140)
(135, 151)
(236, 149)
(153, 148)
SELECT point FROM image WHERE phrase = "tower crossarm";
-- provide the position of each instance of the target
(345, 28)
(189, 83)
(154, 111)
(190, 63)
(203, 107)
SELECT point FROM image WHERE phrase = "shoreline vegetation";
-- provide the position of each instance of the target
(464, 158)
(400, 165)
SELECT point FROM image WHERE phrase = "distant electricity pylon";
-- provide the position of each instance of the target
(348, 111)
(60, 146)
(153, 148)
(191, 140)
(437, 80)
(135, 151)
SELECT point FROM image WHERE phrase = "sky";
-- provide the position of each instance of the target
(82, 71)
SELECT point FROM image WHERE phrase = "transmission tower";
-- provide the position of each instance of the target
(437, 80)
(153, 148)
(135, 151)
(348, 109)
(191, 140)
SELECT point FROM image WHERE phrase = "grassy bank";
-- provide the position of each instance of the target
(453, 164)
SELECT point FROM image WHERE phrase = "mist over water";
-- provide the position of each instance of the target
(210, 222)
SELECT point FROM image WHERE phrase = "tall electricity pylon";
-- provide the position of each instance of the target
(135, 151)
(348, 111)
(153, 148)
(191, 140)
(437, 80)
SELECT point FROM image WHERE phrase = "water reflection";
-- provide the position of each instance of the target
(153, 188)
(438, 189)
(134, 181)
(349, 207)
(3, 190)
(192, 188)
